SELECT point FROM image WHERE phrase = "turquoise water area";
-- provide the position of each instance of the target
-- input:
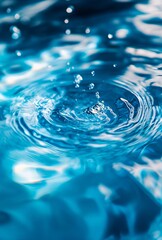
(80, 120)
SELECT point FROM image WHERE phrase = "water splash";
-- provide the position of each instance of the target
(80, 120)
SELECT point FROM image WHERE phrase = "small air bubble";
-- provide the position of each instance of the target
(114, 65)
(91, 86)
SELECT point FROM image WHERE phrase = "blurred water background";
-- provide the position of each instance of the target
(80, 120)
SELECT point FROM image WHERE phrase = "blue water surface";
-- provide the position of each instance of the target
(80, 120)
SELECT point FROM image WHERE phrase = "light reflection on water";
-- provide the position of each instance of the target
(80, 120)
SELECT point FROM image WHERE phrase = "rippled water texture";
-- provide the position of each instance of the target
(80, 120)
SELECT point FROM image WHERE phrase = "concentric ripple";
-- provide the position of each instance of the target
(67, 116)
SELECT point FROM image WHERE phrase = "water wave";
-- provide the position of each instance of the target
(80, 120)
(71, 112)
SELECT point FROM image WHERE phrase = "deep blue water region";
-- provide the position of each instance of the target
(80, 120)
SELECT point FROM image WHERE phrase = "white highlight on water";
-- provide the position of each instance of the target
(129, 106)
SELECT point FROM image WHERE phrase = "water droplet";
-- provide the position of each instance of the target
(97, 108)
(97, 95)
(68, 31)
(78, 79)
(8, 10)
(91, 86)
(93, 73)
(15, 36)
(17, 16)
(18, 53)
(15, 29)
(16, 33)
(110, 36)
(88, 30)
(70, 9)
(66, 21)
